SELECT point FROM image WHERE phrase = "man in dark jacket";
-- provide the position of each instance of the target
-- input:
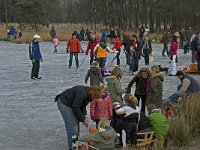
(188, 86)
(165, 41)
(72, 106)
(35, 56)
(194, 47)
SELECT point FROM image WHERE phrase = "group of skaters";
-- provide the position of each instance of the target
(113, 109)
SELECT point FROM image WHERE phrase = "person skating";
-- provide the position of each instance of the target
(141, 80)
(147, 50)
(82, 33)
(173, 55)
(117, 46)
(165, 41)
(73, 46)
(35, 56)
(94, 73)
(72, 106)
(55, 43)
(91, 46)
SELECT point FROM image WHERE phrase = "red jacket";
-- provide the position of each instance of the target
(117, 43)
(91, 46)
(101, 107)
(173, 48)
(73, 45)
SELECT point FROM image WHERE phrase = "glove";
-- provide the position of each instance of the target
(67, 51)
(93, 118)
(86, 52)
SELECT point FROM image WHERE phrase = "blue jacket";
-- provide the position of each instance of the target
(34, 51)
(193, 87)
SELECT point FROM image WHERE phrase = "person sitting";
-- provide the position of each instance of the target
(104, 139)
(130, 120)
(158, 122)
(188, 86)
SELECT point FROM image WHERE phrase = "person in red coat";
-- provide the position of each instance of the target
(173, 55)
(73, 46)
(117, 46)
(90, 48)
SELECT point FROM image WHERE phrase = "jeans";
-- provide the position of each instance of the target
(193, 58)
(146, 59)
(133, 63)
(117, 56)
(71, 122)
(55, 48)
(102, 62)
(143, 98)
(35, 69)
(128, 59)
(91, 59)
(165, 49)
(181, 44)
(76, 58)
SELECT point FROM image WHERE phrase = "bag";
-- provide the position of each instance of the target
(193, 68)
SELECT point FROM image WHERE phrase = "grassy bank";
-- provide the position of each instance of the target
(63, 31)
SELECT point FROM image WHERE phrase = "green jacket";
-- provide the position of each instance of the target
(158, 123)
(155, 90)
(114, 88)
(104, 140)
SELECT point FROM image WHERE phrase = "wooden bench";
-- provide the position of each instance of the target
(146, 140)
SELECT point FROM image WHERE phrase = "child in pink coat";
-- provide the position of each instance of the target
(102, 107)
(55, 43)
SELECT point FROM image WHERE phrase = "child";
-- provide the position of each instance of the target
(105, 137)
(106, 72)
(183, 68)
(158, 122)
(130, 120)
(55, 43)
(95, 74)
(102, 107)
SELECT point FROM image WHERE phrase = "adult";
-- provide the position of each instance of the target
(173, 55)
(88, 34)
(182, 38)
(82, 33)
(72, 106)
(141, 80)
(188, 86)
(127, 43)
(35, 56)
(117, 46)
(155, 87)
(73, 46)
(188, 34)
(165, 41)
(147, 49)
(90, 47)
(194, 46)
(52, 33)
(118, 32)
(112, 34)
(141, 34)
(80, 38)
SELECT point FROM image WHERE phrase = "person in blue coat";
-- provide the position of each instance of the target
(35, 56)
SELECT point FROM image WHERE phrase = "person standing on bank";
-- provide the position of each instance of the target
(73, 46)
(35, 56)
(72, 106)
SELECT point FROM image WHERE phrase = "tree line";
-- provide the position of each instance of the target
(126, 14)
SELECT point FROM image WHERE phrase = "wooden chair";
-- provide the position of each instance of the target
(84, 146)
(146, 140)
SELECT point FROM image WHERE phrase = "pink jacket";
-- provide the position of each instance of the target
(101, 107)
(173, 48)
(55, 41)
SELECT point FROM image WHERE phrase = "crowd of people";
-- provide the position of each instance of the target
(113, 108)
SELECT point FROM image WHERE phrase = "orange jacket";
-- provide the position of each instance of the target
(73, 45)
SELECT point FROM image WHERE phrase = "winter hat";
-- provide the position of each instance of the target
(36, 36)
(73, 34)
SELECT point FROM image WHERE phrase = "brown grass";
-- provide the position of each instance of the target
(64, 32)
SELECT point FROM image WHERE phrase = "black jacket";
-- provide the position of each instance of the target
(95, 76)
(195, 44)
(144, 122)
(76, 98)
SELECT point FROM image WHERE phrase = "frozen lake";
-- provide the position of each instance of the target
(30, 119)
